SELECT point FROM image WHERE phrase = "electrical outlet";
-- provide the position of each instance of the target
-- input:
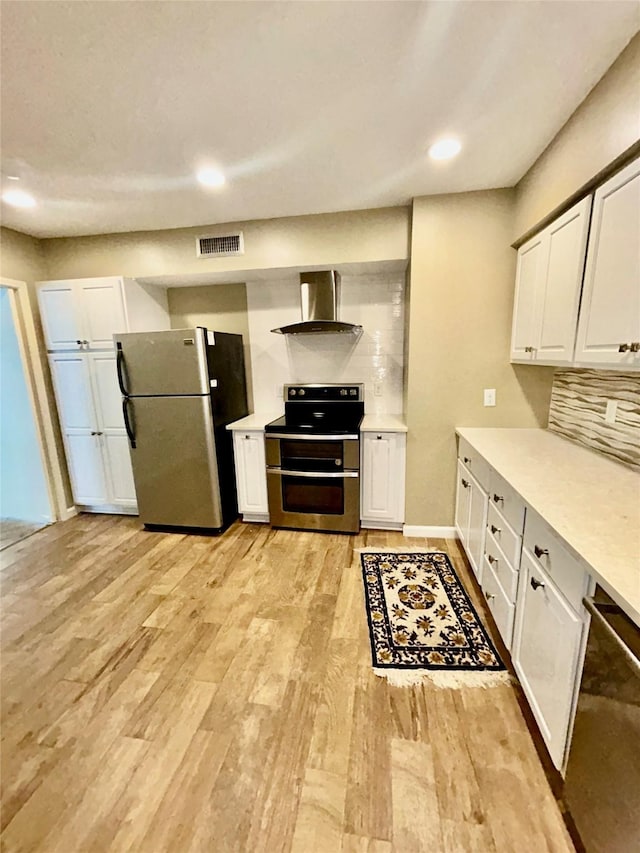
(489, 396)
(611, 411)
(377, 389)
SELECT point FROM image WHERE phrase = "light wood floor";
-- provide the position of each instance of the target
(12, 530)
(179, 693)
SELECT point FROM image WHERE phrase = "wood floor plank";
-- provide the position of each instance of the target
(164, 692)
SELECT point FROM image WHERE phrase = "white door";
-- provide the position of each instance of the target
(251, 473)
(478, 504)
(610, 311)
(546, 647)
(103, 310)
(111, 428)
(560, 294)
(530, 273)
(61, 319)
(86, 468)
(381, 474)
(463, 503)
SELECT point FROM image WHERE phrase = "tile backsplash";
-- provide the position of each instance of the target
(578, 408)
(376, 302)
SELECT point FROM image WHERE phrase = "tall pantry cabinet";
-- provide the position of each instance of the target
(79, 319)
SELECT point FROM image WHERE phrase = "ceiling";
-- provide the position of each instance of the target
(108, 109)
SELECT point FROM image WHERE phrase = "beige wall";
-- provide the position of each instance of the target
(603, 127)
(462, 276)
(221, 307)
(352, 237)
(22, 258)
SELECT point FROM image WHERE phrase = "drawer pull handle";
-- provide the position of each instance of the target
(538, 551)
(489, 596)
(624, 348)
(466, 460)
(635, 346)
(498, 498)
(491, 559)
(536, 584)
(495, 529)
(465, 483)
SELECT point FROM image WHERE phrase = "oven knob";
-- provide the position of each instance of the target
(354, 392)
(292, 392)
(343, 392)
(301, 392)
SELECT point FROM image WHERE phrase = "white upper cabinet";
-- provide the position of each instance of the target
(547, 296)
(61, 321)
(529, 275)
(102, 304)
(85, 313)
(609, 328)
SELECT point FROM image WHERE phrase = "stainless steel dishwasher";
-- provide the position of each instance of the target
(602, 782)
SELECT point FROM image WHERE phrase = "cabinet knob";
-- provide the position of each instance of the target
(495, 529)
(489, 596)
(247, 437)
(536, 584)
(635, 346)
(86, 343)
(378, 437)
(466, 460)
(529, 349)
(624, 348)
(465, 483)
(491, 559)
(93, 432)
(498, 498)
(538, 551)
(79, 343)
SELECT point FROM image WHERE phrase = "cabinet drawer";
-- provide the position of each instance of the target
(502, 567)
(474, 462)
(508, 501)
(546, 551)
(506, 537)
(501, 608)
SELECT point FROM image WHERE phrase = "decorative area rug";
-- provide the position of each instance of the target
(422, 624)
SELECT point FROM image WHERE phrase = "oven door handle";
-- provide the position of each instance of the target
(313, 475)
(315, 437)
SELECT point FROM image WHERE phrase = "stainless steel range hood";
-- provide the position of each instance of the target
(319, 294)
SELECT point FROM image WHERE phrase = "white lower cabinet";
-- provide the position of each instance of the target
(95, 439)
(547, 644)
(471, 517)
(382, 472)
(251, 474)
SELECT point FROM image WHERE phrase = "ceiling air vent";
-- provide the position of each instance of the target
(220, 245)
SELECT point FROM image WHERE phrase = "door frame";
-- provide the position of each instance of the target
(29, 348)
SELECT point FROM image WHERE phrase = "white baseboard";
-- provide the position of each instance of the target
(429, 532)
(381, 525)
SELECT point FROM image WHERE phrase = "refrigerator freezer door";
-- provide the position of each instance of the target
(167, 363)
(174, 461)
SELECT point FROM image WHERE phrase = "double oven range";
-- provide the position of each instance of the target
(313, 458)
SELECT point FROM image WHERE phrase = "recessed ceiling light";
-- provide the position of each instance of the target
(18, 198)
(210, 177)
(444, 149)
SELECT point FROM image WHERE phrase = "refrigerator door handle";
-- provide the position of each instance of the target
(119, 364)
(127, 423)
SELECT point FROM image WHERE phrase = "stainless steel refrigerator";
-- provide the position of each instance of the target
(179, 391)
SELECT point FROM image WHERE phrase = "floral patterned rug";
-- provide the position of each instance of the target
(421, 618)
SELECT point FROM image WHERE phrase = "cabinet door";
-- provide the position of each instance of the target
(610, 311)
(72, 384)
(478, 503)
(560, 294)
(530, 274)
(115, 444)
(546, 648)
(102, 309)
(61, 320)
(251, 473)
(463, 503)
(86, 468)
(382, 477)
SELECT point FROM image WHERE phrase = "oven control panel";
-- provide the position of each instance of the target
(334, 393)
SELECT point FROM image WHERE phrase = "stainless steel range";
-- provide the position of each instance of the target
(313, 458)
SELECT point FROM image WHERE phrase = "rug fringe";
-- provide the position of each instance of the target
(442, 679)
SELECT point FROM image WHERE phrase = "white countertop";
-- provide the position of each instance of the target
(591, 502)
(383, 423)
(255, 421)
